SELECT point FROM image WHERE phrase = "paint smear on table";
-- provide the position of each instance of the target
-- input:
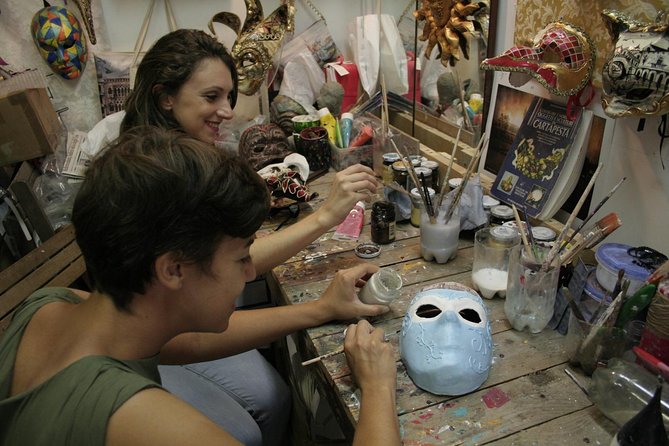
(495, 398)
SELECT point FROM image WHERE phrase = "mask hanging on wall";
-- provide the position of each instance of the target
(60, 40)
(446, 343)
(447, 22)
(562, 59)
(257, 41)
(635, 77)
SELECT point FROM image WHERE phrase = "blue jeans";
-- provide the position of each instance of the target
(243, 394)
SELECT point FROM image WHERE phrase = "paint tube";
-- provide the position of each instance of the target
(351, 227)
(329, 122)
(346, 125)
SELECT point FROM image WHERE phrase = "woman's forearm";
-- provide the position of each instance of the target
(274, 249)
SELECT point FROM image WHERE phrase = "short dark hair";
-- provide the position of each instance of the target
(155, 191)
(169, 63)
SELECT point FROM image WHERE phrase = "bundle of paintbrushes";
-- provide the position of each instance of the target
(595, 234)
(468, 173)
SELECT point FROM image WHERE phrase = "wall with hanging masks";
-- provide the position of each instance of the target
(117, 24)
(642, 203)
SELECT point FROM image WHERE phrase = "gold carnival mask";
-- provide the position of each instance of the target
(257, 40)
(447, 22)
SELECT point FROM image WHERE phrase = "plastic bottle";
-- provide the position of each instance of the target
(329, 122)
(346, 125)
(623, 388)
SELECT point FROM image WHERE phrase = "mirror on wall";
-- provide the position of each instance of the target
(439, 105)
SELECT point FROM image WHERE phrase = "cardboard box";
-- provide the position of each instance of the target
(29, 126)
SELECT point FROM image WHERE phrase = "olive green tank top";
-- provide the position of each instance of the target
(74, 406)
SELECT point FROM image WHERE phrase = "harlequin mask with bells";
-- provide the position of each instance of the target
(258, 40)
(446, 343)
(635, 78)
(562, 59)
(60, 40)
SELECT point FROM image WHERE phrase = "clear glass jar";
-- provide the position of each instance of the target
(531, 291)
(492, 251)
(439, 240)
(623, 388)
(382, 288)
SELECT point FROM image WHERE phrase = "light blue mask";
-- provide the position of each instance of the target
(446, 344)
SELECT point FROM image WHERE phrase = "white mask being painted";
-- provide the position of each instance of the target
(446, 344)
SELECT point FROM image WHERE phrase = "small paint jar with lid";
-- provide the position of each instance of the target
(383, 222)
(422, 172)
(417, 205)
(434, 168)
(388, 160)
(400, 173)
(543, 235)
(500, 214)
(488, 203)
(454, 183)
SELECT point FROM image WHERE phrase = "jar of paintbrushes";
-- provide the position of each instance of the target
(531, 288)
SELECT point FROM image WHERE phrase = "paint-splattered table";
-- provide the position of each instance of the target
(527, 399)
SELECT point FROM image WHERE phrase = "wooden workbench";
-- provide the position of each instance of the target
(527, 399)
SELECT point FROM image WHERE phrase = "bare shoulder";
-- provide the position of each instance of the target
(154, 416)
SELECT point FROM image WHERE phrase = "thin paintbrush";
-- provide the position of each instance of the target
(325, 356)
(523, 236)
(533, 243)
(558, 242)
(461, 188)
(594, 211)
(444, 183)
(596, 234)
(412, 173)
(428, 201)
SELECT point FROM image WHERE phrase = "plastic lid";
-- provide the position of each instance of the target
(430, 164)
(424, 170)
(504, 233)
(367, 250)
(543, 234)
(454, 182)
(489, 202)
(614, 256)
(399, 165)
(594, 289)
(502, 211)
(324, 112)
(347, 115)
(391, 157)
(416, 194)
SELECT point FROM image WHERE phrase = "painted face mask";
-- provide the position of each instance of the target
(264, 144)
(562, 59)
(60, 41)
(634, 78)
(446, 344)
(257, 42)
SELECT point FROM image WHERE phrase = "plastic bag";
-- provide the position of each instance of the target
(392, 58)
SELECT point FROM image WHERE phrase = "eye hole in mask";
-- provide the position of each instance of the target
(428, 311)
(470, 315)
